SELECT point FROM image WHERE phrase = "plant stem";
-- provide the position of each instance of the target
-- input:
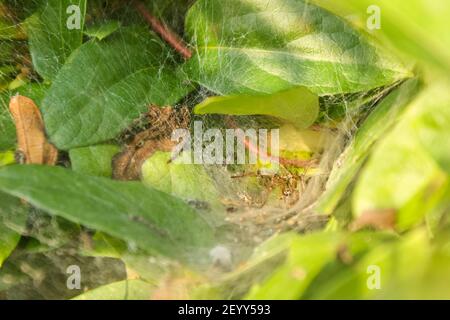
(164, 31)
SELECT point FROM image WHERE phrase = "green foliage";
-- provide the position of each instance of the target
(152, 220)
(7, 129)
(51, 41)
(365, 135)
(374, 127)
(341, 268)
(103, 30)
(306, 258)
(393, 177)
(263, 46)
(415, 31)
(297, 106)
(13, 216)
(94, 161)
(189, 182)
(119, 91)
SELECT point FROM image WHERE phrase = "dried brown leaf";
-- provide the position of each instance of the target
(378, 219)
(33, 146)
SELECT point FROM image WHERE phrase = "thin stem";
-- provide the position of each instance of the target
(164, 31)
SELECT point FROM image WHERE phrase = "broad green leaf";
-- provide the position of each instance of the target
(404, 167)
(265, 46)
(381, 269)
(400, 265)
(108, 84)
(190, 182)
(417, 30)
(101, 31)
(122, 290)
(54, 35)
(340, 279)
(374, 127)
(397, 171)
(150, 219)
(426, 202)
(13, 217)
(432, 127)
(307, 256)
(95, 160)
(298, 106)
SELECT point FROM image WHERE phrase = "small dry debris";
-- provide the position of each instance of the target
(159, 124)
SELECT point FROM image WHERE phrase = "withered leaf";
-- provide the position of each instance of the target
(31, 139)
(378, 219)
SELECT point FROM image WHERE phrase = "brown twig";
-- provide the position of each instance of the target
(164, 31)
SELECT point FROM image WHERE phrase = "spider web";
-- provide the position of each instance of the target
(37, 268)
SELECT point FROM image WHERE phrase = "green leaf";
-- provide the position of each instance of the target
(432, 127)
(374, 127)
(94, 161)
(50, 38)
(265, 46)
(417, 31)
(307, 256)
(108, 84)
(401, 265)
(122, 290)
(345, 266)
(404, 168)
(150, 219)
(7, 158)
(397, 171)
(189, 182)
(298, 106)
(13, 217)
(404, 267)
(101, 31)
(7, 128)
